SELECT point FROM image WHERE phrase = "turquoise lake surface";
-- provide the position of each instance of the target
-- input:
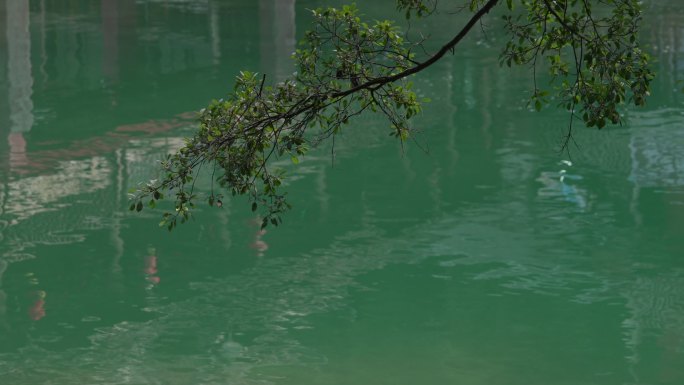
(480, 255)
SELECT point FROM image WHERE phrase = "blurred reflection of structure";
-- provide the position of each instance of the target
(37, 310)
(656, 142)
(666, 34)
(656, 302)
(215, 32)
(3, 296)
(20, 79)
(656, 312)
(151, 266)
(3, 268)
(657, 157)
(110, 40)
(258, 243)
(4, 97)
(278, 41)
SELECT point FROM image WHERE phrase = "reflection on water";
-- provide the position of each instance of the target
(37, 310)
(563, 184)
(20, 79)
(657, 159)
(258, 242)
(277, 37)
(151, 266)
(488, 260)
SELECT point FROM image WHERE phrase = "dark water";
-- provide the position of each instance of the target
(489, 259)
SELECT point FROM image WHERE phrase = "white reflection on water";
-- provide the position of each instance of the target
(656, 148)
(563, 184)
(19, 66)
(32, 195)
(29, 200)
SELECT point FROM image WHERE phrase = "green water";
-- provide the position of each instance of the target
(489, 259)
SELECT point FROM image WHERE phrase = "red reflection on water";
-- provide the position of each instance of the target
(37, 310)
(151, 267)
(151, 264)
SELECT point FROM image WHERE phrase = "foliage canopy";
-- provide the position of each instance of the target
(346, 67)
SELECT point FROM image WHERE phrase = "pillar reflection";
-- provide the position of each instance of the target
(20, 79)
(3, 297)
(215, 32)
(278, 42)
(110, 40)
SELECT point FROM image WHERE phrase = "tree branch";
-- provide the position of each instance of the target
(427, 63)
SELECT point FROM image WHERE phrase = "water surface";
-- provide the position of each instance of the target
(490, 258)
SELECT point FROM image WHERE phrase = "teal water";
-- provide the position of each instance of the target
(490, 258)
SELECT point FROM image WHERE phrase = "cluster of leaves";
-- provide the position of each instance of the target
(418, 7)
(345, 66)
(349, 64)
(590, 49)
